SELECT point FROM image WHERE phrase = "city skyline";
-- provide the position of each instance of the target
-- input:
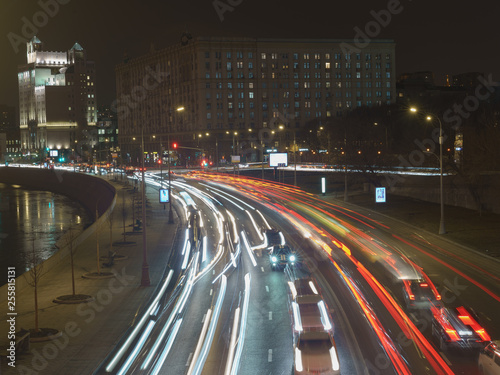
(441, 38)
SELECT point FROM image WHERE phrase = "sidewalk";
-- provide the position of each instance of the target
(90, 330)
(463, 226)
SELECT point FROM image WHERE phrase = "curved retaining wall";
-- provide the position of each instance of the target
(92, 192)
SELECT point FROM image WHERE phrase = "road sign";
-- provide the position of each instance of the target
(380, 195)
(164, 198)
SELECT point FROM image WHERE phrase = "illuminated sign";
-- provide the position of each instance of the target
(164, 198)
(54, 153)
(278, 159)
(380, 195)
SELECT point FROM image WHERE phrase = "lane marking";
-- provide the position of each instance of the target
(270, 355)
(270, 315)
(267, 289)
(204, 317)
(211, 291)
(189, 359)
(262, 268)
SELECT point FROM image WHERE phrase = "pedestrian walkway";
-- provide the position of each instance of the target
(478, 231)
(90, 330)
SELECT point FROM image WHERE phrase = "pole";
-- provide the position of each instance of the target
(145, 267)
(170, 213)
(262, 149)
(232, 161)
(442, 229)
(294, 160)
(345, 166)
(216, 154)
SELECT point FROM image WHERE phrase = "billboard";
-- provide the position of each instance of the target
(164, 196)
(278, 159)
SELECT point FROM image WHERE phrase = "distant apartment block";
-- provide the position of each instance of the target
(10, 147)
(247, 86)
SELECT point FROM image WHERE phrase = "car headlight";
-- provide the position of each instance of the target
(274, 259)
(292, 258)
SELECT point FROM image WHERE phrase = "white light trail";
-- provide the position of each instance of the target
(282, 238)
(296, 317)
(165, 352)
(204, 251)
(249, 250)
(241, 337)
(264, 220)
(235, 231)
(211, 329)
(326, 321)
(134, 333)
(137, 348)
(255, 225)
(232, 345)
(186, 256)
(200, 341)
(227, 194)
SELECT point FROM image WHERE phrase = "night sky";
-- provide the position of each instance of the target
(442, 36)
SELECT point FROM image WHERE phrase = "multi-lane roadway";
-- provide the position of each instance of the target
(221, 309)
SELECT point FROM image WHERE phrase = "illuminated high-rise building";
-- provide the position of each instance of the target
(57, 102)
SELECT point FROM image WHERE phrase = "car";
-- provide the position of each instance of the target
(282, 255)
(489, 359)
(316, 353)
(303, 286)
(310, 313)
(274, 237)
(420, 293)
(457, 327)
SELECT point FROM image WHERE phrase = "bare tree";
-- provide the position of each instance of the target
(34, 275)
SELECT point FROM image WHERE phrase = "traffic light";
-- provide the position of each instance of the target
(159, 161)
(175, 145)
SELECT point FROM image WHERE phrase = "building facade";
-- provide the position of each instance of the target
(10, 144)
(245, 88)
(57, 102)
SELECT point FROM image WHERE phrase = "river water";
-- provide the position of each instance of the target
(31, 222)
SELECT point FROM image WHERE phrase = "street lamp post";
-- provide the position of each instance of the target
(262, 149)
(216, 153)
(346, 196)
(170, 213)
(294, 160)
(145, 281)
(442, 229)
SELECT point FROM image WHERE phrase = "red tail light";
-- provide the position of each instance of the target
(467, 319)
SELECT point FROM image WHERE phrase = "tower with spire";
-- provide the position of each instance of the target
(57, 103)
